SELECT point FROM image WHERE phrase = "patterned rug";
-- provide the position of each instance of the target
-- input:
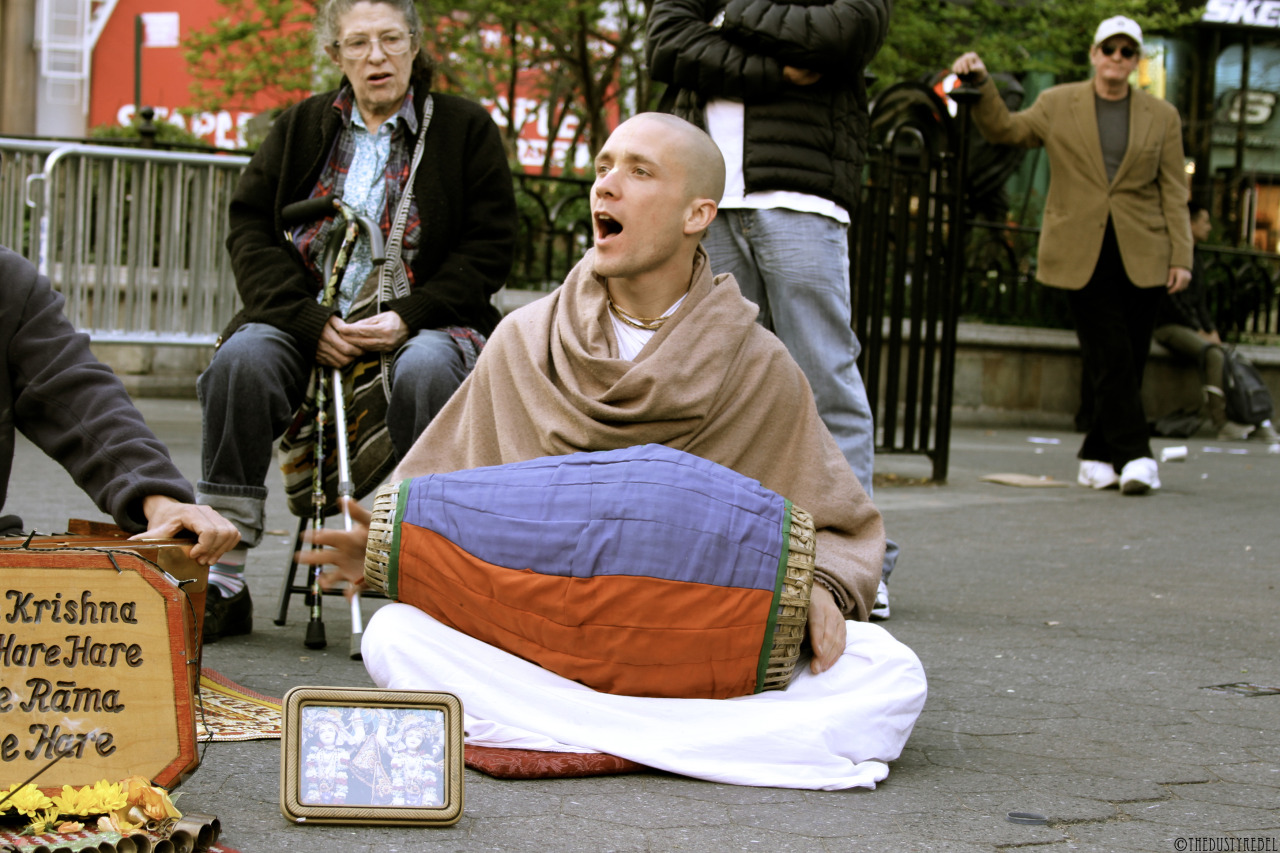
(232, 712)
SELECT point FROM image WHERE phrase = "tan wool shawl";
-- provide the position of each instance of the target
(711, 382)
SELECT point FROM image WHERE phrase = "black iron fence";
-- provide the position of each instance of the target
(907, 265)
(1242, 285)
(1000, 284)
(555, 229)
(1244, 292)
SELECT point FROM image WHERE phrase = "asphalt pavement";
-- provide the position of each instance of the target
(1075, 643)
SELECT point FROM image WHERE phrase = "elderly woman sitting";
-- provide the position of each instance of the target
(358, 143)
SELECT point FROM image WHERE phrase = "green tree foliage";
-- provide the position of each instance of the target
(257, 47)
(1010, 35)
(580, 60)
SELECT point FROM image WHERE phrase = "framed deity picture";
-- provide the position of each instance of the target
(350, 755)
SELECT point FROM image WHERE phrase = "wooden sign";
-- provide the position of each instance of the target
(99, 663)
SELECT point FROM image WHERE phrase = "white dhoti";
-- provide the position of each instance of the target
(824, 732)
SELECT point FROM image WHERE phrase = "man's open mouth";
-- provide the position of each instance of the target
(606, 226)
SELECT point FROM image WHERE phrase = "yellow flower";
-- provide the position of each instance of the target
(26, 800)
(97, 798)
(42, 824)
(108, 796)
(153, 802)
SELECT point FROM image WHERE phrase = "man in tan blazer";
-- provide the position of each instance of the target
(1115, 233)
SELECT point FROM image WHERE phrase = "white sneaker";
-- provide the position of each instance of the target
(880, 610)
(1097, 475)
(1139, 476)
(1265, 432)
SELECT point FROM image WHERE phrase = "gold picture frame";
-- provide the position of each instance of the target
(363, 756)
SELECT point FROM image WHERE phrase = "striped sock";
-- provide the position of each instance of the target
(228, 573)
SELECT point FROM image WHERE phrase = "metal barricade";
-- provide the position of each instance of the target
(134, 240)
(20, 160)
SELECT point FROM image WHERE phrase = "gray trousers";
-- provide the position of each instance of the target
(1184, 341)
(257, 381)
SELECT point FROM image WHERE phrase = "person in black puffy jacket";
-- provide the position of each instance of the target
(780, 86)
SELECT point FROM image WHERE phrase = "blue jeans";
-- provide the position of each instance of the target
(256, 382)
(795, 266)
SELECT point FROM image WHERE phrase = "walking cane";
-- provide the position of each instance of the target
(335, 266)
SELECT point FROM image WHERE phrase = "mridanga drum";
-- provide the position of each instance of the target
(101, 659)
(643, 571)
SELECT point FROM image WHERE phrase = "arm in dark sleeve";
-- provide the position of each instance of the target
(73, 407)
(1181, 310)
(1192, 303)
(481, 218)
(274, 284)
(836, 37)
(684, 50)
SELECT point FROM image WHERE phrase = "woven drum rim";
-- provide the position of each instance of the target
(792, 615)
(377, 555)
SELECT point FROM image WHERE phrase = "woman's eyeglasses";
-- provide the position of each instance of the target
(358, 47)
(1125, 51)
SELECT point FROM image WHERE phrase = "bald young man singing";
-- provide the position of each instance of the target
(643, 345)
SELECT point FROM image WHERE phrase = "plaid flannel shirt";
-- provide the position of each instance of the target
(311, 238)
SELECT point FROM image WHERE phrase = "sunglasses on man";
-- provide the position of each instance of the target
(1125, 51)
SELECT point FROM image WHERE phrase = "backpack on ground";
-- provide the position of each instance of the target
(1248, 398)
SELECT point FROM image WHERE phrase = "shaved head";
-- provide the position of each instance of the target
(702, 161)
(658, 183)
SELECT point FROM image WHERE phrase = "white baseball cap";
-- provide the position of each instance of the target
(1118, 26)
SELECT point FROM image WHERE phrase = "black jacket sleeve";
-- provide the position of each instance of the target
(837, 37)
(1189, 307)
(684, 50)
(73, 407)
(274, 283)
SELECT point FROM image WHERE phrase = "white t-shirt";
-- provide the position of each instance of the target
(725, 123)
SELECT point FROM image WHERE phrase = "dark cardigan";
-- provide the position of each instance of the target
(464, 194)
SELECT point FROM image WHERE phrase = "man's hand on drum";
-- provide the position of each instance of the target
(383, 332)
(167, 517)
(342, 549)
(334, 349)
(826, 629)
